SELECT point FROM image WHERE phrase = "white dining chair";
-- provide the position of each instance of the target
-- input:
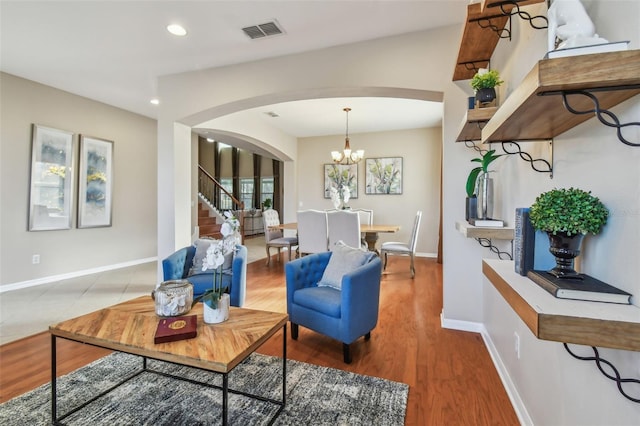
(344, 225)
(312, 232)
(274, 237)
(403, 249)
(366, 218)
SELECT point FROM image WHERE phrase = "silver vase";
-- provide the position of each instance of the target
(485, 196)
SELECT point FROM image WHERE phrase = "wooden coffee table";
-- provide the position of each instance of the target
(130, 326)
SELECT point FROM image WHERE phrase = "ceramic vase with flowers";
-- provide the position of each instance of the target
(216, 300)
(340, 197)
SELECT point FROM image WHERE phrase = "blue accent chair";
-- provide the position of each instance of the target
(177, 265)
(345, 314)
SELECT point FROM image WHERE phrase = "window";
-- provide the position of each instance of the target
(266, 184)
(225, 200)
(246, 192)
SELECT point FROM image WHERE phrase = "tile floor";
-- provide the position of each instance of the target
(31, 310)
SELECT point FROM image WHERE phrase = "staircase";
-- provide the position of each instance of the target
(207, 224)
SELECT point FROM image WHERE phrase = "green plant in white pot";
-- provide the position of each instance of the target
(484, 83)
(478, 187)
(567, 215)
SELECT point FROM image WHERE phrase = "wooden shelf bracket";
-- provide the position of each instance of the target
(605, 116)
(547, 167)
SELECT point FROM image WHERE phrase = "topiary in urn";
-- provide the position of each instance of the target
(567, 215)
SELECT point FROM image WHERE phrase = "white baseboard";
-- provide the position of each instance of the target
(433, 255)
(517, 403)
(75, 274)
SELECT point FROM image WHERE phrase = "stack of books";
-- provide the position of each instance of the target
(530, 247)
(586, 288)
(615, 46)
(486, 223)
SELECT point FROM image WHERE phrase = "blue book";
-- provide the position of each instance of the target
(530, 247)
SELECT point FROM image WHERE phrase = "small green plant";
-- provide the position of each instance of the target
(267, 203)
(572, 211)
(486, 159)
(487, 80)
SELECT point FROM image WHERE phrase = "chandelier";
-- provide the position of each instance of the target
(347, 156)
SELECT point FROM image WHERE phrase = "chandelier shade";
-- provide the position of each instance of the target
(347, 156)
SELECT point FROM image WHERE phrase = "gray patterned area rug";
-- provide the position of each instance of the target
(315, 396)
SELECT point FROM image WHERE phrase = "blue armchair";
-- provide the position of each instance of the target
(344, 314)
(177, 266)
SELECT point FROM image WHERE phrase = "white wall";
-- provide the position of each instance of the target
(554, 387)
(367, 69)
(420, 152)
(64, 252)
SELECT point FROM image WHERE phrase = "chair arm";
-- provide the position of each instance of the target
(361, 299)
(304, 272)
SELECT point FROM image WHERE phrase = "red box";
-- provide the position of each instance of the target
(176, 328)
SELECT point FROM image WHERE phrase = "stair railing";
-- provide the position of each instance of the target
(208, 186)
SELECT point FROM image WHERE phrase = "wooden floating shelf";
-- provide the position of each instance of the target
(478, 43)
(529, 115)
(471, 231)
(606, 325)
(489, 4)
(471, 130)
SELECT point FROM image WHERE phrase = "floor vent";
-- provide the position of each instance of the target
(263, 30)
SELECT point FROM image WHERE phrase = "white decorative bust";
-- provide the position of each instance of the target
(569, 22)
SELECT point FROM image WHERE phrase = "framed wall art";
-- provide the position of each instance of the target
(95, 182)
(51, 192)
(341, 175)
(383, 175)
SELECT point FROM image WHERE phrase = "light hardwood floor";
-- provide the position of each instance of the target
(451, 377)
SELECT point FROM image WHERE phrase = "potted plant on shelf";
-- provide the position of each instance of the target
(266, 205)
(567, 215)
(484, 83)
(479, 187)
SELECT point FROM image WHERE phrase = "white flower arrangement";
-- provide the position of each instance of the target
(340, 195)
(214, 259)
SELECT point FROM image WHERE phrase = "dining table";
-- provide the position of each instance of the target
(371, 232)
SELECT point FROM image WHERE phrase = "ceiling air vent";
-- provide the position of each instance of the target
(263, 30)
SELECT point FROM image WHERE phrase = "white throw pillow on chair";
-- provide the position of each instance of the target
(344, 259)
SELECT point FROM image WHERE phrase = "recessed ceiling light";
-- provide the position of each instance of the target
(155, 101)
(210, 140)
(177, 30)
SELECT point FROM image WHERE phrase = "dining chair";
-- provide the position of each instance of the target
(366, 218)
(312, 232)
(403, 249)
(344, 225)
(273, 236)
